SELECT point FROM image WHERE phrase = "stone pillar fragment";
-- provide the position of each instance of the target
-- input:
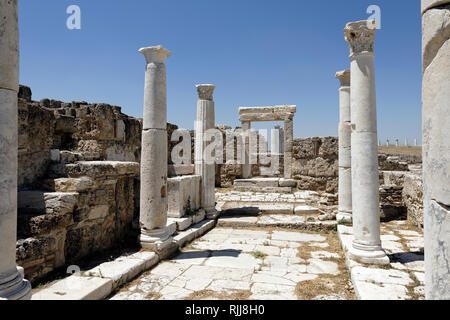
(154, 158)
(12, 284)
(345, 130)
(246, 166)
(288, 147)
(366, 245)
(436, 146)
(205, 167)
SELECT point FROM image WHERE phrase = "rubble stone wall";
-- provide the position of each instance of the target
(89, 210)
(100, 130)
(315, 164)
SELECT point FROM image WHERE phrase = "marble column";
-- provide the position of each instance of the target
(345, 132)
(436, 146)
(246, 166)
(366, 245)
(12, 283)
(288, 147)
(207, 170)
(153, 202)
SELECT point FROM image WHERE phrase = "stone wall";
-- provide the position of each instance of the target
(99, 130)
(413, 197)
(315, 164)
(88, 210)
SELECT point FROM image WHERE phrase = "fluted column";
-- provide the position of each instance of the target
(345, 131)
(207, 170)
(366, 245)
(153, 202)
(12, 284)
(246, 166)
(436, 146)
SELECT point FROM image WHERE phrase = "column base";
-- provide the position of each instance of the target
(15, 287)
(368, 254)
(156, 240)
(344, 216)
(212, 213)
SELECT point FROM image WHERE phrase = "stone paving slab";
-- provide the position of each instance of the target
(403, 277)
(101, 281)
(256, 264)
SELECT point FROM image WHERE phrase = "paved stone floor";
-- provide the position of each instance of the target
(403, 278)
(251, 264)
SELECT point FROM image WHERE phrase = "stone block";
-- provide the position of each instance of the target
(76, 288)
(183, 194)
(180, 170)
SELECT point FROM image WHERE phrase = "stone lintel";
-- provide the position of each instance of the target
(264, 110)
(255, 117)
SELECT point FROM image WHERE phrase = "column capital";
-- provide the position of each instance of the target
(360, 36)
(156, 54)
(344, 77)
(205, 91)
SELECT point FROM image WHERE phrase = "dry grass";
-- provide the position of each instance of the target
(153, 295)
(326, 284)
(402, 150)
(210, 294)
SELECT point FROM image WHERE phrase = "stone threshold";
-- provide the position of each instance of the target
(374, 282)
(103, 280)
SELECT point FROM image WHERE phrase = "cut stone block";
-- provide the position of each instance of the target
(305, 210)
(76, 288)
(182, 223)
(124, 268)
(183, 193)
(180, 170)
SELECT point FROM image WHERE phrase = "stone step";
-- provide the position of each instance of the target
(280, 221)
(125, 268)
(76, 287)
(258, 208)
(197, 230)
(264, 189)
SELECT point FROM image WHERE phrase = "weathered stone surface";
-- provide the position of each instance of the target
(183, 195)
(77, 288)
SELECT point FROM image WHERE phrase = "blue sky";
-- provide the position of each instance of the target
(256, 52)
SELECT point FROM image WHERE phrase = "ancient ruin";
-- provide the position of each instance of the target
(95, 204)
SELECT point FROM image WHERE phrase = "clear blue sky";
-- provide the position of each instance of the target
(256, 52)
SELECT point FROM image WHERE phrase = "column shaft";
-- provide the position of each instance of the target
(154, 158)
(364, 148)
(436, 147)
(205, 121)
(246, 166)
(12, 284)
(345, 174)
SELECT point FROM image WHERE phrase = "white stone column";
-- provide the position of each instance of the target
(288, 146)
(153, 202)
(436, 146)
(366, 245)
(205, 121)
(12, 284)
(246, 166)
(345, 131)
